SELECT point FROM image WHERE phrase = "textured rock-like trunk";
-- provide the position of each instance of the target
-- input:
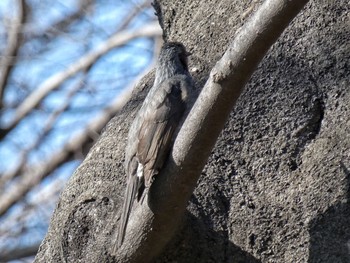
(276, 187)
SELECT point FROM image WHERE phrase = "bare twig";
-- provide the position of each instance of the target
(33, 100)
(19, 253)
(8, 59)
(133, 14)
(58, 26)
(171, 191)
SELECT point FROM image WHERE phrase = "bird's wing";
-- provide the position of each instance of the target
(151, 136)
(161, 119)
(132, 188)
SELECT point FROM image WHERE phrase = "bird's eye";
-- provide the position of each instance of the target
(175, 91)
(183, 60)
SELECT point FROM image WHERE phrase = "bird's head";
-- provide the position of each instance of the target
(176, 52)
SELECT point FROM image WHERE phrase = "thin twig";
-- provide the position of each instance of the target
(58, 26)
(137, 9)
(9, 57)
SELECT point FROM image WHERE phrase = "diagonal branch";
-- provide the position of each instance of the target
(57, 27)
(8, 59)
(137, 9)
(33, 100)
(153, 227)
(19, 253)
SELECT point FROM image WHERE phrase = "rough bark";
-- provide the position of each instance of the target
(276, 187)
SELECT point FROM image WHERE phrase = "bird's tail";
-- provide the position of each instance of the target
(130, 194)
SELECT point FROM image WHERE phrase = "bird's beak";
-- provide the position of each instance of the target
(188, 53)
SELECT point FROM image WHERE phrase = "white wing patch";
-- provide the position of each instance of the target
(139, 170)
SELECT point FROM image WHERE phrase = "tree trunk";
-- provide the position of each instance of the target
(276, 187)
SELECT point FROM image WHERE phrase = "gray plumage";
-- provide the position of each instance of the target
(151, 134)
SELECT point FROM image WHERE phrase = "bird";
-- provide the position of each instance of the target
(152, 132)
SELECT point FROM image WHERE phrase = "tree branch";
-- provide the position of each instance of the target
(19, 253)
(150, 228)
(13, 44)
(57, 27)
(33, 100)
(137, 9)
